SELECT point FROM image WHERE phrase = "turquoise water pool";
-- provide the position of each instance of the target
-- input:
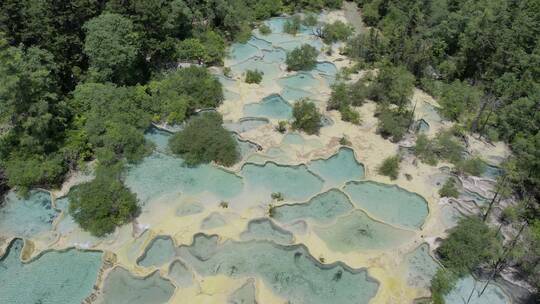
(339, 168)
(161, 250)
(289, 271)
(53, 277)
(294, 182)
(26, 217)
(160, 174)
(265, 229)
(272, 106)
(120, 287)
(357, 231)
(388, 203)
(322, 208)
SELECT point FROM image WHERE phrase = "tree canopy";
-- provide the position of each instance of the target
(204, 140)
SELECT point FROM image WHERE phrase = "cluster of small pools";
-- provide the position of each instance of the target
(327, 197)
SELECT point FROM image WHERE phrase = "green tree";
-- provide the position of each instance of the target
(306, 117)
(254, 76)
(459, 98)
(390, 167)
(104, 203)
(449, 189)
(204, 140)
(113, 47)
(469, 245)
(292, 25)
(337, 31)
(393, 123)
(302, 58)
(393, 85)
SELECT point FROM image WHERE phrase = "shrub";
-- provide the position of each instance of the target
(449, 189)
(344, 141)
(306, 117)
(393, 123)
(292, 25)
(390, 167)
(441, 284)
(425, 150)
(282, 126)
(350, 115)
(204, 140)
(278, 196)
(393, 85)
(469, 245)
(310, 20)
(302, 58)
(254, 76)
(265, 29)
(337, 31)
(104, 203)
(448, 147)
(472, 166)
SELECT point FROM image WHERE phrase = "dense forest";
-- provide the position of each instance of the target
(82, 80)
(480, 60)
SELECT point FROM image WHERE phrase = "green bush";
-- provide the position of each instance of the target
(306, 117)
(394, 85)
(473, 166)
(282, 126)
(470, 244)
(441, 284)
(393, 123)
(426, 150)
(390, 167)
(26, 172)
(310, 20)
(448, 148)
(449, 189)
(302, 58)
(292, 25)
(265, 29)
(350, 115)
(104, 203)
(337, 31)
(254, 76)
(204, 140)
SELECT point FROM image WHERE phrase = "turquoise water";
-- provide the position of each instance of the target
(390, 204)
(245, 147)
(421, 267)
(120, 287)
(292, 95)
(422, 126)
(180, 274)
(322, 208)
(246, 294)
(214, 220)
(357, 231)
(275, 56)
(463, 288)
(161, 174)
(246, 124)
(339, 168)
(161, 250)
(243, 51)
(54, 277)
(159, 137)
(273, 106)
(270, 70)
(189, 209)
(302, 80)
(289, 271)
(492, 171)
(26, 217)
(265, 229)
(294, 182)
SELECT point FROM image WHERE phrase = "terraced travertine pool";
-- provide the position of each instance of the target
(337, 236)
